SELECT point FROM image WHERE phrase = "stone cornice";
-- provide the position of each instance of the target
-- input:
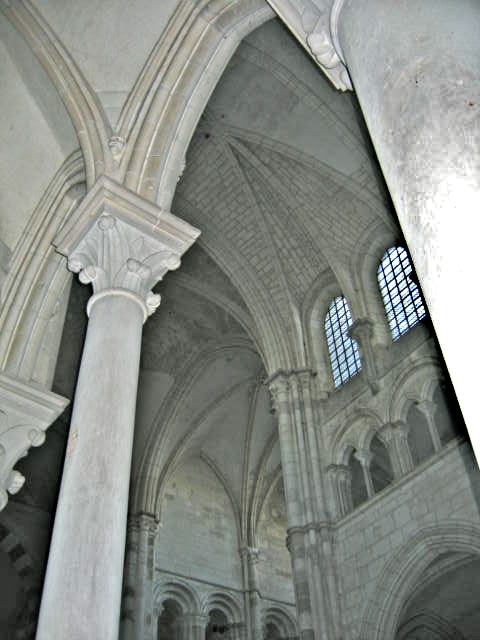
(122, 243)
(26, 412)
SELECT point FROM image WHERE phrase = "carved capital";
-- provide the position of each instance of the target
(361, 330)
(251, 554)
(339, 472)
(364, 457)
(397, 430)
(295, 541)
(304, 379)
(279, 387)
(26, 412)
(314, 23)
(123, 244)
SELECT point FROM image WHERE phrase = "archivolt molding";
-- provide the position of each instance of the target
(231, 606)
(35, 293)
(178, 590)
(202, 38)
(429, 625)
(414, 384)
(402, 572)
(282, 620)
(441, 566)
(81, 102)
(357, 433)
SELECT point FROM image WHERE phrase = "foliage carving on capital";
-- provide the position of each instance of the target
(117, 240)
(252, 554)
(279, 387)
(314, 23)
(145, 523)
(115, 255)
(26, 412)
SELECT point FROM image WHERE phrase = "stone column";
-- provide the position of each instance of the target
(123, 245)
(26, 412)
(190, 626)
(365, 458)
(341, 476)
(362, 332)
(198, 624)
(395, 436)
(427, 407)
(313, 566)
(301, 582)
(253, 602)
(139, 622)
(415, 68)
(280, 390)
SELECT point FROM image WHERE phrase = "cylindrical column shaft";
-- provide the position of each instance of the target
(85, 565)
(255, 605)
(417, 77)
(365, 458)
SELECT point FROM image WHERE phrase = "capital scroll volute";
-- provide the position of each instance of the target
(120, 242)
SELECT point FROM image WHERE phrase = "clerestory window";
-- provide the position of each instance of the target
(401, 296)
(344, 354)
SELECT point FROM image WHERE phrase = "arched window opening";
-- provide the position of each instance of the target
(344, 354)
(447, 416)
(167, 622)
(401, 296)
(380, 466)
(218, 626)
(359, 489)
(272, 632)
(419, 438)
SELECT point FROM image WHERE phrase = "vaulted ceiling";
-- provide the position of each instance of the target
(282, 181)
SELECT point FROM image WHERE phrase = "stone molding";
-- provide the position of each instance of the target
(144, 523)
(282, 381)
(80, 100)
(26, 412)
(123, 244)
(252, 554)
(315, 24)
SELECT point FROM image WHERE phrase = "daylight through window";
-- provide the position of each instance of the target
(401, 296)
(344, 354)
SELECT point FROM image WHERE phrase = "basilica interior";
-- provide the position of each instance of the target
(300, 465)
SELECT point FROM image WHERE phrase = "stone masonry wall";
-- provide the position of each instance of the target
(444, 489)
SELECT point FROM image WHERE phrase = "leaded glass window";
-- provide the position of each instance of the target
(344, 354)
(401, 296)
